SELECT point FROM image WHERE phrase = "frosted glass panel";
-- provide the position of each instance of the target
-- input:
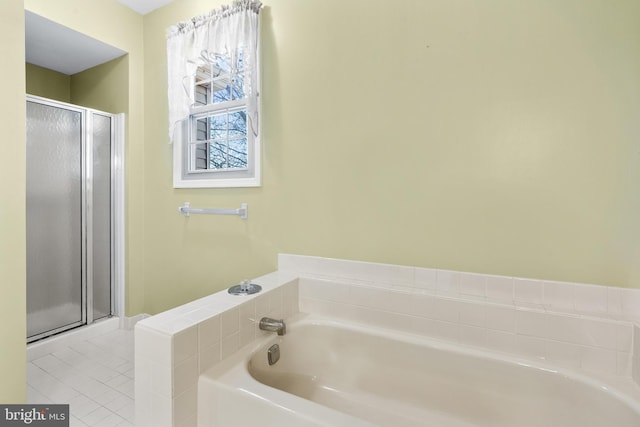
(101, 216)
(54, 215)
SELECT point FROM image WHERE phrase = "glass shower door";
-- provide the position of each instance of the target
(100, 224)
(54, 219)
(69, 216)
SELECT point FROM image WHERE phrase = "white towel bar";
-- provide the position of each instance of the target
(186, 210)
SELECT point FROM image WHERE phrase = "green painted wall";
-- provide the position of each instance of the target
(494, 137)
(13, 355)
(48, 83)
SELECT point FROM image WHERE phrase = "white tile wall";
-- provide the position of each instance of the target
(636, 354)
(571, 298)
(579, 341)
(174, 347)
(574, 325)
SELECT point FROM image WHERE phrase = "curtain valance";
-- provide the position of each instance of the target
(228, 35)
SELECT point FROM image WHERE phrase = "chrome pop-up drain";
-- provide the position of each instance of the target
(245, 288)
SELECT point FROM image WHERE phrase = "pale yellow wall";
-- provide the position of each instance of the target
(492, 137)
(48, 83)
(188, 258)
(495, 137)
(12, 171)
(12, 207)
(104, 87)
(114, 24)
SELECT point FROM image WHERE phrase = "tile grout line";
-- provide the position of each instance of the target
(101, 396)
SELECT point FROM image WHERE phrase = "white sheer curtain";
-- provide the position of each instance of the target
(196, 42)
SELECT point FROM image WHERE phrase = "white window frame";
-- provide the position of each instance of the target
(250, 177)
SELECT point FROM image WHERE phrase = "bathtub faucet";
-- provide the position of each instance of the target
(273, 325)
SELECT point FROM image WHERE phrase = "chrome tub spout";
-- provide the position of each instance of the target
(273, 325)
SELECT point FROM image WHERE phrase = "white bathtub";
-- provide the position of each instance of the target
(337, 374)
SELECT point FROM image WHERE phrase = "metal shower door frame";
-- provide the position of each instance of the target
(116, 213)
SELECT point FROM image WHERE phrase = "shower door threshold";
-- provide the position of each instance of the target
(54, 332)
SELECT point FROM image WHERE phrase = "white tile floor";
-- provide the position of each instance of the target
(94, 376)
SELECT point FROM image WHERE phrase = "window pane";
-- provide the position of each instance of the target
(202, 94)
(218, 155)
(219, 126)
(223, 63)
(203, 73)
(221, 93)
(238, 153)
(237, 87)
(240, 60)
(237, 124)
(201, 129)
(199, 156)
(224, 141)
(237, 82)
(220, 80)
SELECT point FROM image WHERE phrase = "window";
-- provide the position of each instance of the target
(221, 139)
(217, 142)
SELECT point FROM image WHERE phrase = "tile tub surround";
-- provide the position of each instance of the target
(636, 354)
(584, 327)
(573, 325)
(172, 348)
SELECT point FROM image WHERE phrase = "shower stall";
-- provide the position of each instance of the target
(72, 186)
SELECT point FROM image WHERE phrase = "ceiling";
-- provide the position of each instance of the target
(56, 47)
(144, 6)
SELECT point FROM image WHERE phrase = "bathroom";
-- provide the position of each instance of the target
(508, 131)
